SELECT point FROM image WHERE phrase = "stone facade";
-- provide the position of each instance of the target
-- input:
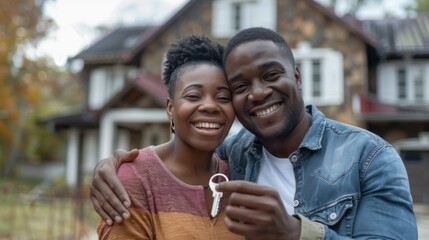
(298, 21)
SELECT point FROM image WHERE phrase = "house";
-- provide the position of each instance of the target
(341, 62)
(397, 104)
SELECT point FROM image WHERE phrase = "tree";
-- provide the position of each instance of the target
(26, 82)
(422, 6)
(350, 7)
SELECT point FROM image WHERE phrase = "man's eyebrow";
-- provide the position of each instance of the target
(269, 64)
(235, 78)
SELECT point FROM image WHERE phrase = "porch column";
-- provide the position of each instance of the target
(72, 157)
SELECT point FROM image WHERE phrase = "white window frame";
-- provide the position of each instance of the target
(388, 81)
(331, 74)
(254, 13)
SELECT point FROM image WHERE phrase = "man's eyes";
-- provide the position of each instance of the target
(273, 75)
(239, 88)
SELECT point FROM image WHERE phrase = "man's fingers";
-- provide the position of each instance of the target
(246, 188)
(239, 228)
(249, 216)
(118, 189)
(120, 156)
(103, 208)
(108, 199)
(267, 203)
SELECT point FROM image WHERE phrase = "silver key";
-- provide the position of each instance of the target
(216, 195)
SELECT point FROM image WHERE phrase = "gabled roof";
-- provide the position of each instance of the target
(401, 36)
(116, 45)
(144, 84)
(349, 22)
(84, 119)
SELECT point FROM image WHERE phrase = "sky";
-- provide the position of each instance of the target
(77, 19)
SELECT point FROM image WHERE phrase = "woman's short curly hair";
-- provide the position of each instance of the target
(190, 51)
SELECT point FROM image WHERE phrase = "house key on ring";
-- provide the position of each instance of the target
(216, 195)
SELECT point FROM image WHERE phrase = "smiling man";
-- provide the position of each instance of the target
(299, 175)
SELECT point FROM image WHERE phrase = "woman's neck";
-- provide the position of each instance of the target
(190, 165)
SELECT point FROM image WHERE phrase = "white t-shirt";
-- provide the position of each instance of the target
(278, 174)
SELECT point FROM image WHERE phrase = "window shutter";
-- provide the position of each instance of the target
(221, 19)
(263, 14)
(387, 83)
(333, 78)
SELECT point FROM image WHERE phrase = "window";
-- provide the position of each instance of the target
(403, 82)
(321, 73)
(419, 85)
(237, 16)
(103, 84)
(231, 16)
(317, 79)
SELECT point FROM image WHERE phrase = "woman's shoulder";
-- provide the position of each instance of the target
(223, 166)
(145, 162)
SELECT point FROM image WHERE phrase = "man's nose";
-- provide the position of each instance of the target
(258, 91)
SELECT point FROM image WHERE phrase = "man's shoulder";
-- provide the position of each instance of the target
(347, 132)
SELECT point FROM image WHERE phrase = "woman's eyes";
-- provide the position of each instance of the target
(192, 97)
(224, 98)
(221, 97)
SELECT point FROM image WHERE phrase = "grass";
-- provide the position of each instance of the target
(57, 214)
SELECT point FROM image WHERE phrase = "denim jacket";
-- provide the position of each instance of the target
(350, 183)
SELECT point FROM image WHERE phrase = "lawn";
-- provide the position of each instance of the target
(58, 213)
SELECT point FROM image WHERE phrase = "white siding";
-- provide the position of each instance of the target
(97, 86)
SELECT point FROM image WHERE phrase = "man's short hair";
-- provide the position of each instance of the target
(255, 34)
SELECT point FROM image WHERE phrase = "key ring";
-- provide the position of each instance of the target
(212, 185)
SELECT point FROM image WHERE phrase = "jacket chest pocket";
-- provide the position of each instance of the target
(333, 213)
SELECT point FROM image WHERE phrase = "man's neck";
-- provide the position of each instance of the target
(283, 148)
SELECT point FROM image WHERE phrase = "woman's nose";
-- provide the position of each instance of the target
(209, 105)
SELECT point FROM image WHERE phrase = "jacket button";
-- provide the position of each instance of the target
(333, 216)
(296, 203)
(294, 158)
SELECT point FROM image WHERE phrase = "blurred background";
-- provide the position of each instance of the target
(79, 79)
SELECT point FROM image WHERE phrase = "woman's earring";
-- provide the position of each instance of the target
(172, 129)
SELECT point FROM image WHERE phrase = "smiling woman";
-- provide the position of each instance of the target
(167, 183)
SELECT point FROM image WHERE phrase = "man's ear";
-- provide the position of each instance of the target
(298, 77)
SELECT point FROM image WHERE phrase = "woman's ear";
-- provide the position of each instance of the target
(169, 108)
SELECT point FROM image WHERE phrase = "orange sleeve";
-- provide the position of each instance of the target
(138, 226)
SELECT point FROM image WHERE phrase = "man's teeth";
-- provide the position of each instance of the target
(207, 125)
(267, 111)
